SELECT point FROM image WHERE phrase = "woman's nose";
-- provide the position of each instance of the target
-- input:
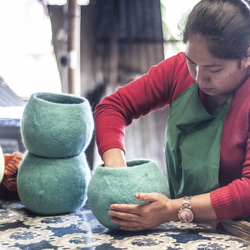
(201, 75)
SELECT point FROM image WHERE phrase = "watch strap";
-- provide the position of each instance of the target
(186, 202)
(185, 213)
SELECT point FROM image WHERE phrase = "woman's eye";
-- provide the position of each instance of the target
(215, 71)
(191, 63)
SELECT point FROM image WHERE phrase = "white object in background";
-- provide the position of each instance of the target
(73, 59)
(1, 165)
(11, 112)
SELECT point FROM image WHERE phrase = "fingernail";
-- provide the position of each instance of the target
(138, 195)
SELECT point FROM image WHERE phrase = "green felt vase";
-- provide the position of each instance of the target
(119, 185)
(56, 125)
(53, 186)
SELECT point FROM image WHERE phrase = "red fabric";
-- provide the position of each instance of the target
(158, 88)
(8, 187)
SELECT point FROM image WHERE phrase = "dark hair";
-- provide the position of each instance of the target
(225, 24)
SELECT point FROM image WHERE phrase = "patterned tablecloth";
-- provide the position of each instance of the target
(20, 229)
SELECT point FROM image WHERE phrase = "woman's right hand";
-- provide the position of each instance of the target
(114, 158)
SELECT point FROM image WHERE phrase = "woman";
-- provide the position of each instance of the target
(207, 137)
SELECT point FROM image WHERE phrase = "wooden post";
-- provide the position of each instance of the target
(114, 54)
(74, 27)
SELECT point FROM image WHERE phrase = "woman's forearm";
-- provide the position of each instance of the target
(202, 207)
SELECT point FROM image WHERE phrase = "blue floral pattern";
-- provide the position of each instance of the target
(21, 229)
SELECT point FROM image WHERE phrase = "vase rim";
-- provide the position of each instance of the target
(60, 99)
(131, 164)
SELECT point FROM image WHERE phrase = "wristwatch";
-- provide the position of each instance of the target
(185, 213)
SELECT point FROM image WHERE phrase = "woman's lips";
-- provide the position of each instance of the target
(207, 90)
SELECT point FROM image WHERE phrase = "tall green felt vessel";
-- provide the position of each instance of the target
(119, 185)
(53, 186)
(56, 125)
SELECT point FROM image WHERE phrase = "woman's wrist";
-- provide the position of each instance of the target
(200, 205)
(173, 207)
(114, 158)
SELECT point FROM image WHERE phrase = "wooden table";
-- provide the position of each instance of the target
(239, 228)
(20, 229)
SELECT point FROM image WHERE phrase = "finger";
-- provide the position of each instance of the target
(147, 197)
(126, 208)
(124, 216)
(125, 223)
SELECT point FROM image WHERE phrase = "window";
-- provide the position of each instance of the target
(174, 14)
(27, 61)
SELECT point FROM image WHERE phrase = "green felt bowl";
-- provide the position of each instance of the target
(56, 125)
(119, 185)
(53, 186)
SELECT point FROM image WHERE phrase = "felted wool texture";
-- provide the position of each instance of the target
(53, 186)
(119, 186)
(1, 165)
(56, 125)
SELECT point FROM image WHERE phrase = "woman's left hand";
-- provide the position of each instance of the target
(156, 211)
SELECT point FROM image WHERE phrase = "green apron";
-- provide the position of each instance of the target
(193, 140)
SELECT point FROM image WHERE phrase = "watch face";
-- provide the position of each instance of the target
(186, 215)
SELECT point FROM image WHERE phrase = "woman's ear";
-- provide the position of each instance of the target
(245, 63)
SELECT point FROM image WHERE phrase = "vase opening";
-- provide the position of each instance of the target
(131, 163)
(59, 98)
(136, 163)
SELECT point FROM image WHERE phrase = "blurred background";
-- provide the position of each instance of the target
(87, 48)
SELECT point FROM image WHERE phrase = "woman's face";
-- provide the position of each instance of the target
(215, 76)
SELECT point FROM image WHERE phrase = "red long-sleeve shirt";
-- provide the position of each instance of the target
(160, 87)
